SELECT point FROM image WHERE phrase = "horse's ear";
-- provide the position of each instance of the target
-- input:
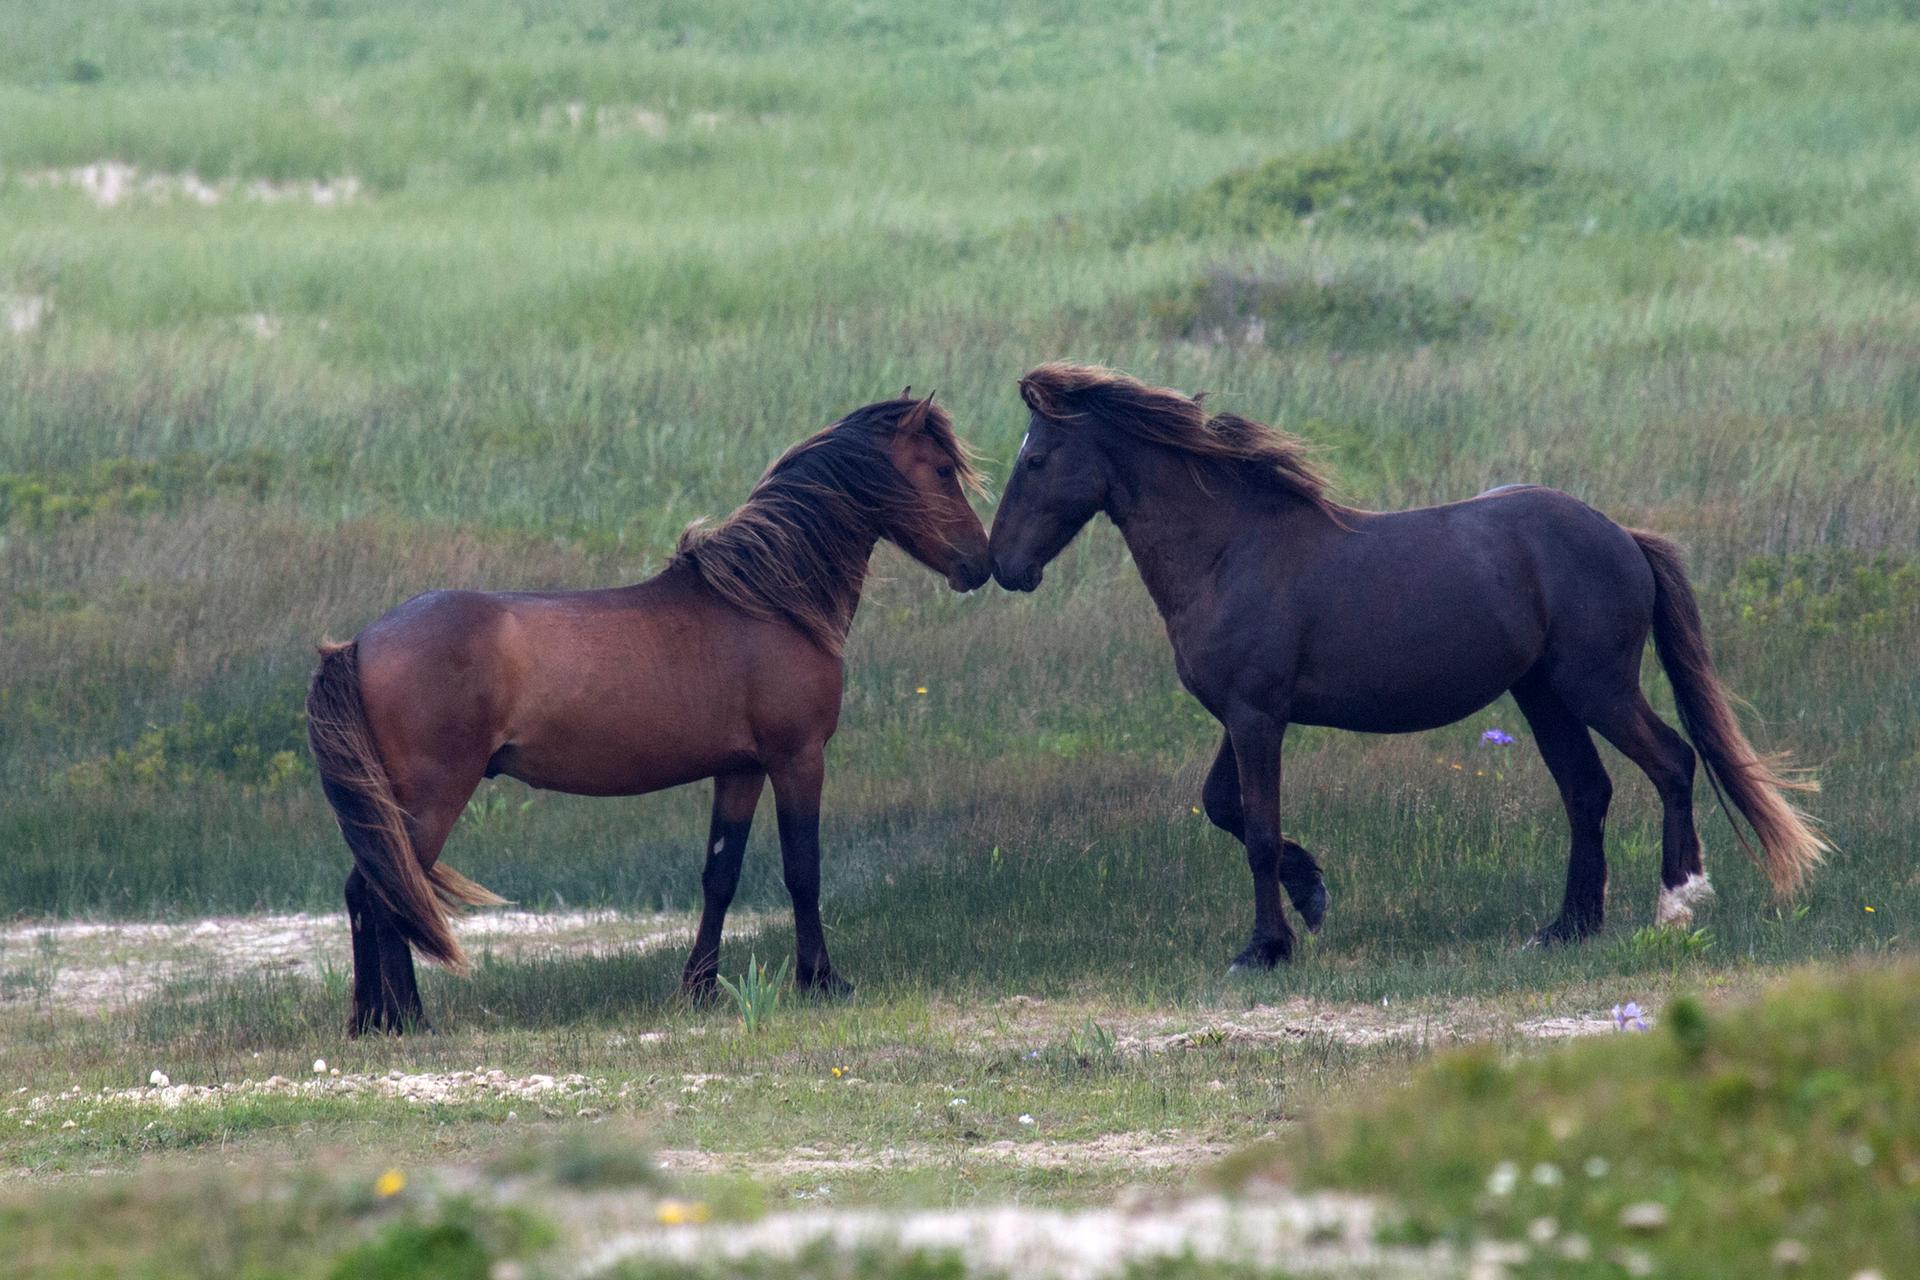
(1030, 393)
(906, 392)
(1200, 400)
(915, 418)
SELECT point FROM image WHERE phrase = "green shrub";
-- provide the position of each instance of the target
(1695, 1149)
(457, 1242)
(1832, 591)
(258, 747)
(132, 486)
(1375, 182)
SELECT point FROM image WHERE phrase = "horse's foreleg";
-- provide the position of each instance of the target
(796, 791)
(1256, 748)
(735, 797)
(1299, 873)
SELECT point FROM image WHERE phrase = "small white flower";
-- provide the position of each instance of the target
(159, 1080)
(1546, 1175)
(1597, 1167)
(319, 1066)
(1026, 1119)
(957, 1102)
(1501, 1181)
(1635, 1262)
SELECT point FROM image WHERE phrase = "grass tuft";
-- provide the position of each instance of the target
(1699, 1146)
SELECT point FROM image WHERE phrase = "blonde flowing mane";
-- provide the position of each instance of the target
(1091, 394)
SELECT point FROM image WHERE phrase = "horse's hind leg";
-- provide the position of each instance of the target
(372, 1011)
(735, 797)
(386, 992)
(1586, 791)
(1299, 873)
(1631, 725)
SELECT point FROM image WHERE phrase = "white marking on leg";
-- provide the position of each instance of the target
(1675, 906)
(718, 845)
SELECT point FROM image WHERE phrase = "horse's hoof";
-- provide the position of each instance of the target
(1562, 932)
(829, 987)
(1313, 912)
(1262, 956)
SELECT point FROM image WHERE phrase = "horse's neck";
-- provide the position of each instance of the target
(1180, 531)
(848, 590)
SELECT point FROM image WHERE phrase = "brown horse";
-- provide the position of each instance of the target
(1285, 607)
(726, 665)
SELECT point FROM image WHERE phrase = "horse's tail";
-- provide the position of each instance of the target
(1790, 846)
(372, 820)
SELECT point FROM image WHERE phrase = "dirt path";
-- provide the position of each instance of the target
(1165, 1149)
(86, 966)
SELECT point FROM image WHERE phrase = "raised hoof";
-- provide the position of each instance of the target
(1313, 909)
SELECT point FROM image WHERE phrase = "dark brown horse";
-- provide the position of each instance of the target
(726, 666)
(1285, 607)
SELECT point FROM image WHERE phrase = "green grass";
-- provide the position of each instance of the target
(603, 263)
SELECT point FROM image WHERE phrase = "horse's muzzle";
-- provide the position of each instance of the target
(1017, 577)
(969, 574)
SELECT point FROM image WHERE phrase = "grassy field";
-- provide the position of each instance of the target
(306, 307)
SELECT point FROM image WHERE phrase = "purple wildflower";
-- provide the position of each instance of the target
(1628, 1017)
(1498, 737)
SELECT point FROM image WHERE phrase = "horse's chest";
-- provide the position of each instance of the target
(1212, 662)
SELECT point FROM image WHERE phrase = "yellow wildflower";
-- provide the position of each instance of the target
(678, 1213)
(390, 1183)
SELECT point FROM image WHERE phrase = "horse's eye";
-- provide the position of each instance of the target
(945, 473)
(1036, 461)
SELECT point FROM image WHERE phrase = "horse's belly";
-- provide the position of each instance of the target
(624, 719)
(1384, 701)
(617, 767)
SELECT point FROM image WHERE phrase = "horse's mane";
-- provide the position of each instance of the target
(1266, 456)
(797, 548)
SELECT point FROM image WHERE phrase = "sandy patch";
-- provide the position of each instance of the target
(1358, 1026)
(112, 183)
(1320, 1234)
(22, 313)
(87, 966)
(1168, 1149)
(429, 1088)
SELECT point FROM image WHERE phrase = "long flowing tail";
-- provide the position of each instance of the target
(373, 822)
(1790, 847)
